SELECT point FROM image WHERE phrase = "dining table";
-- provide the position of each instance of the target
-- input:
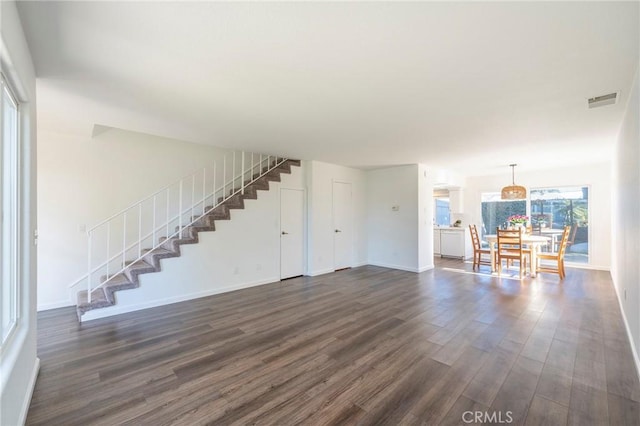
(555, 235)
(532, 241)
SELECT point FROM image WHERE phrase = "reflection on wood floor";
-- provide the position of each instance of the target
(366, 345)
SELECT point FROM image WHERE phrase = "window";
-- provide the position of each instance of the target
(442, 213)
(554, 208)
(496, 211)
(9, 190)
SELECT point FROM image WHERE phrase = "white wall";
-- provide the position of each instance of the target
(242, 252)
(596, 176)
(626, 218)
(320, 178)
(425, 218)
(395, 237)
(83, 180)
(18, 361)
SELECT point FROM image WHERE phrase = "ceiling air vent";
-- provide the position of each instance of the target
(603, 100)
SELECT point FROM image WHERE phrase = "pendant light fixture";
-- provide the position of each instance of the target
(513, 192)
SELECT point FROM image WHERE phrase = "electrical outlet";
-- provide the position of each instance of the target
(82, 228)
(625, 294)
(236, 271)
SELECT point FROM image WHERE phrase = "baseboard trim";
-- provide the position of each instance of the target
(634, 352)
(320, 272)
(117, 310)
(399, 267)
(32, 385)
(56, 305)
(590, 267)
(426, 268)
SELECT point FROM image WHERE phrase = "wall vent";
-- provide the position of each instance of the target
(598, 101)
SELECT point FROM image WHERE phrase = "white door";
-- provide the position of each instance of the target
(342, 232)
(291, 233)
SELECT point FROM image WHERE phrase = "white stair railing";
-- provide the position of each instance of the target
(127, 236)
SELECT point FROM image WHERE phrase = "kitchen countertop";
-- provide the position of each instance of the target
(451, 228)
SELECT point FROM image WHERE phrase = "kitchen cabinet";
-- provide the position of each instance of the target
(436, 241)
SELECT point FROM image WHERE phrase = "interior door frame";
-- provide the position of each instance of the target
(333, 223)
(304, 229)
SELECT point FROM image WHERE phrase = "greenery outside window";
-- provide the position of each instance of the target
(496, 211)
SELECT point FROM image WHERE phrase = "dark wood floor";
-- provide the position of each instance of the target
(362, 346)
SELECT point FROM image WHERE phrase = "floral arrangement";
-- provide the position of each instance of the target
(518, 219)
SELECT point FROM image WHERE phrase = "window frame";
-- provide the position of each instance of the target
(10, 244)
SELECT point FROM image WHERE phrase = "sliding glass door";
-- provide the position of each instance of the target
(554, 208)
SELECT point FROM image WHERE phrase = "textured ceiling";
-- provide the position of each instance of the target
(467, 86)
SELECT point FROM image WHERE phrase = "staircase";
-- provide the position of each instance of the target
(255, 178)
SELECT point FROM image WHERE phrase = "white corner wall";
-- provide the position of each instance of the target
(596, 176)
(626, 219)
(426, 180)
(241, 252)
(320, 231)
(397, 236)
(83, 180)
(18, 358)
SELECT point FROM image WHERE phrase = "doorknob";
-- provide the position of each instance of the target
(337, 230)
(285, 233)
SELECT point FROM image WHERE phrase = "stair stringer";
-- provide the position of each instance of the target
(242, 252)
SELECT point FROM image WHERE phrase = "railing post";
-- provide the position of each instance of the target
(140, 230)
(233, 174)
(108, 244)
(193, 195)
(242, 175)
(89, 267)
(204, 189)
(167, 224)
(180, 211)
(224, 177)
(215, 200)
(153, 236)
(124, 239)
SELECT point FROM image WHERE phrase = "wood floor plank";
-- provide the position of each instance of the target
(543, 412)
(555, 385)
(367, 345)
(518, 389)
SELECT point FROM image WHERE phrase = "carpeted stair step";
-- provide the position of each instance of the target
(99, 300)
(261, 184)
(154, 257)
(117, 283)
(250, 193)
(284, 167)
(138, 268)
(174, 243)
(219, 213)
(273, 175)
(235, 202)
